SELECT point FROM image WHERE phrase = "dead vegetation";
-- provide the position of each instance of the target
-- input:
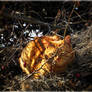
(14, 33)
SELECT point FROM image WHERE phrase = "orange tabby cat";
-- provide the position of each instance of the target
(46, 54)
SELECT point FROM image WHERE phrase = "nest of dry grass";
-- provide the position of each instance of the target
(77, 76)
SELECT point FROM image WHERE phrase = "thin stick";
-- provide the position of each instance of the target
(69, 21)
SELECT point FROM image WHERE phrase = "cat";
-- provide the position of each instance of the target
(46, 54)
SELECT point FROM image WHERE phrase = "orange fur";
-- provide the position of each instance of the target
(38, 51)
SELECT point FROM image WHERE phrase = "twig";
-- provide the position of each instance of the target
(69, 20)
(79, 15)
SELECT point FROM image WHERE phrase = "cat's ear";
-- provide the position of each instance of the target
(68, 39)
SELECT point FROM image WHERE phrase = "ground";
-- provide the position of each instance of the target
(14, 37)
